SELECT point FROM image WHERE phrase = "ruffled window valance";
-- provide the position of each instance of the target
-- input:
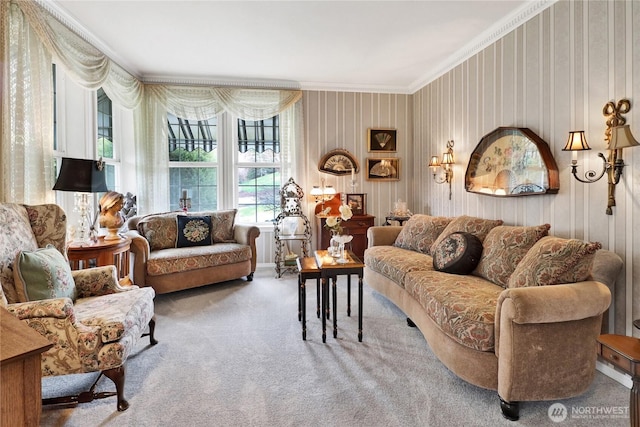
(92, 69)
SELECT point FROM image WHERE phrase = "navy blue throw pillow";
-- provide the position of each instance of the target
(458, 253)
(193, 231)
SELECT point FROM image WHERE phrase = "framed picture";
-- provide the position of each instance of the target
(357, 203)
(382, 140)
(387, 169)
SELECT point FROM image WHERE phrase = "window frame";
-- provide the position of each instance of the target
(228, 191)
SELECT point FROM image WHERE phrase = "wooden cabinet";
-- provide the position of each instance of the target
(357, 226)
(20, 387)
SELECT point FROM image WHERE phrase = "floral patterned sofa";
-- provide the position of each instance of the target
(93, 321)
(169, 257)
(506, 308)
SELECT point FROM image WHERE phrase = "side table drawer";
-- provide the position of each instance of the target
(616, 358)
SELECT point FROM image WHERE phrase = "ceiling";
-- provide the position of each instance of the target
(378, 46)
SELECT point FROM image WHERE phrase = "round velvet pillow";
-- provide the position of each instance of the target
(458, 253)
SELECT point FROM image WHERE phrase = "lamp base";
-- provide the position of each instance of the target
(112, 234)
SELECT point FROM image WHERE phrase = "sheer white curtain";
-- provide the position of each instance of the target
(200, 103)
(31, 35)
(27, 113)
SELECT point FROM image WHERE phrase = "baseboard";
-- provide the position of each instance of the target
(623, 379)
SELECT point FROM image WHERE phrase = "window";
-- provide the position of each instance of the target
(193, 162)
(250, 178)
(105, 146)
(258, 169)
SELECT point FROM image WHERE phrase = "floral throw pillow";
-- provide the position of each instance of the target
(553, 260)
(193, 231)
(477, 226)
(504, 248)
(419, 233)
(43, 274)
(222, 226)
(160, 230)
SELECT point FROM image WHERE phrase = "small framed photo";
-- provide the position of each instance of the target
(357, 203)
(386, 169)
(382, 141)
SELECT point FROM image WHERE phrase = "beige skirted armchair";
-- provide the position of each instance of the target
(93, 322)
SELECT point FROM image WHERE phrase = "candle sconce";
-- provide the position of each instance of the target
(617, 136)
(446, 164)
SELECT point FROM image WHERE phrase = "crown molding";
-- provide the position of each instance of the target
(346, 87)
(491, 35)
(488, 37)
(222, 81)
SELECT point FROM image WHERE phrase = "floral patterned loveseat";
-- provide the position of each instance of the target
(506, 308)
(171, 258)
(96, 327)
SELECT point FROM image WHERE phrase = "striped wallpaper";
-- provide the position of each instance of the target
(553, 74)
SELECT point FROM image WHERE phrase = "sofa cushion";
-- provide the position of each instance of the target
(222, 226)
(504, 248)
(463, 307)
(394, 263)
(174, 260)
(117, 314)
(480, 227)
(458, 253)
(420, 231)
(553, 260)
(193, 231)
(43, 274)
(160, 230)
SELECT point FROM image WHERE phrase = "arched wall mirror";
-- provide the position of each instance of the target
(512, 161)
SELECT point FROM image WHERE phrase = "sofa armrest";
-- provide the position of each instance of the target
(57, 308)
(140, 250)
(246, 234)
(555, 303)
(545, 330)
(382, 235)
(91, 282)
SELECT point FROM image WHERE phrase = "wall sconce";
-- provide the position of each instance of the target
(447, 161)
(323, 193)
(618, 136)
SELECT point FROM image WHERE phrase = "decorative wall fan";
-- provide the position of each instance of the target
(338, 162)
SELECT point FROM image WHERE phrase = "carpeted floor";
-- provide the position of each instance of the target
(232, 355)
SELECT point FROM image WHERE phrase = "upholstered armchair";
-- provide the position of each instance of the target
(93, 321)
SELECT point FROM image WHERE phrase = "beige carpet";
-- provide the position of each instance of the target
(232, 355)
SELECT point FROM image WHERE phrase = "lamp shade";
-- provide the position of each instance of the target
(576, 142)
(447, 158)
(316, 191)
(434, 162)
(621, 137)
(329, 190)
(80, 175)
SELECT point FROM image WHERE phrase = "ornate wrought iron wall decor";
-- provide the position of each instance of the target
(512, 161)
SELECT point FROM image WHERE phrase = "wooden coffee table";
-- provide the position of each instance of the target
(330, 269)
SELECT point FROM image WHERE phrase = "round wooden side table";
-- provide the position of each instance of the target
(100, 253)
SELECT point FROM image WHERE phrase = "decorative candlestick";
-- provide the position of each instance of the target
(354, 183)
(185, 201)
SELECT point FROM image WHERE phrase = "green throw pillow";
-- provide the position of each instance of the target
(43, 274)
